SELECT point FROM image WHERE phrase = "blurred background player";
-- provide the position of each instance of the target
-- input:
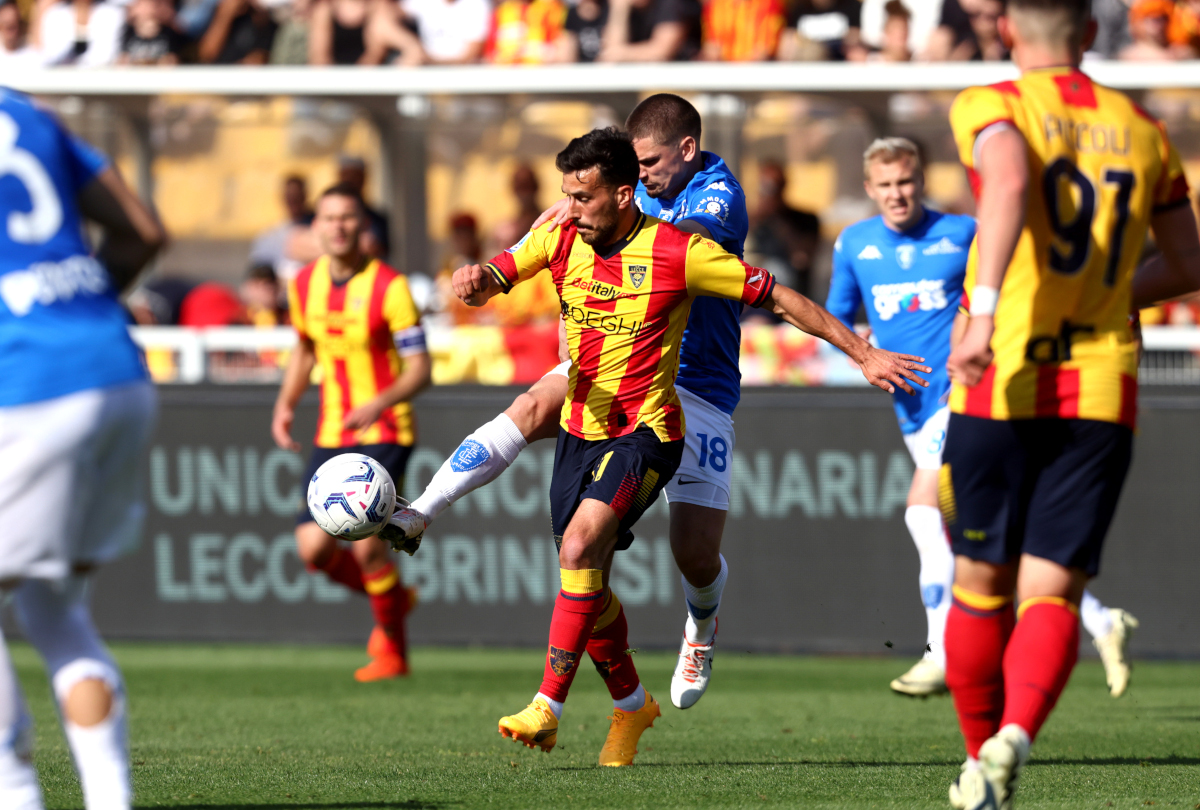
(1044, 399)
(908, 264)
(355, 317)
(697, 192)
(76, 412)
(616, 452)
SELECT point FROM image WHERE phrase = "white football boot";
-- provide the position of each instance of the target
(1114, 651)
(925, 678)
(971, 790)
(1001, 758)
(405, 528)
(692, 672)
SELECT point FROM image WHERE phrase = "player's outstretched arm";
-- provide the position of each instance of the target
(416, 375)
(885, 370)
(474, 285)
(132, 233)
(1004, 171)
(295, 380)
(1175, 272)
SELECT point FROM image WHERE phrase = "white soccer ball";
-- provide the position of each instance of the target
(351, 496)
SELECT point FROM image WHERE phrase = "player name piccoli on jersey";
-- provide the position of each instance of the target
(1100, 166)
(625, 341)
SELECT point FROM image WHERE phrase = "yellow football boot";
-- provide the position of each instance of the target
(625, 731)
(535, 726)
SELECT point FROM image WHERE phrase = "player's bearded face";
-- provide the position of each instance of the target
(338, 226)
(594, 206)
(664, 167)
(897, 188)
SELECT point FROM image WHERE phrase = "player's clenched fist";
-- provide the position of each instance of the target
(472, 284)
(887, 370)
(973, 354)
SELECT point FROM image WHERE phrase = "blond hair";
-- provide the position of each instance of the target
(889, 150)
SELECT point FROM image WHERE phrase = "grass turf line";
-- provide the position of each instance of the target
(281, 727)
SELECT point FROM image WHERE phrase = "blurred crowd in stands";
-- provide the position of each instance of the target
(445, 32)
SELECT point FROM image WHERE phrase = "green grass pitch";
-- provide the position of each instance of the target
(287, 727)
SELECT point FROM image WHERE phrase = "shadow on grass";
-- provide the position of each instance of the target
(413, 804)
(1147, 762)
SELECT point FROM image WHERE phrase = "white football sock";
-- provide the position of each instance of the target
(556, 706)
(702, 606)
(479, 460)
(56, 621)
(936, 577)
(1095, 616)
(19, 788)
(634, 702)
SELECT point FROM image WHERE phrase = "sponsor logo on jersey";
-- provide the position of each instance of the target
(517, 246)
(943, 248)
(870, 252)
(905, 255)
(598, 289)
(909, 296)
(604, 321)
(719, 186)
(637, 274)
(469, 455)
(562, 661)
(713, 206)
(46, 283)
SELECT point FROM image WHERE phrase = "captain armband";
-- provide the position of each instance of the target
(410, 341)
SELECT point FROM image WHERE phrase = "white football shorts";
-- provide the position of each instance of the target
(926, 442)
(71, 479)
(704, 474)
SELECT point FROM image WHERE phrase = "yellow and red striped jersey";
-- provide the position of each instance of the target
(358, 328)
(525, 32)
(625, 311)
(744, 30)
(1099, 167)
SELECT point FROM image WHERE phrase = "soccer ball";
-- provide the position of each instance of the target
(351, 496)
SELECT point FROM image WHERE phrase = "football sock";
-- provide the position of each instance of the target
(608, 648)
(1039, 660)
(479, 460)
(977, 630)
(576, 610)
(19, 788)
(343, 569)
(56, 621)
(702, 606)
(1095, 616)
(634, 702)
(936, 577)
(389, 604)
(556, 706)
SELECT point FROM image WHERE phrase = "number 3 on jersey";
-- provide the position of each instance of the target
(1076, 233)
(714, 452)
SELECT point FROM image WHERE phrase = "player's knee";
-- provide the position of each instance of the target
(698, 565)
(88, 691)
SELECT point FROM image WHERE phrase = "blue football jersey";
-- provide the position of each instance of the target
(62, 329)
(712, 339)
(911, 283)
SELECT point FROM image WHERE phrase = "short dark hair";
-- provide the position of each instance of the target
(343, 190)
(261, 271)
(664, 118)
(608, 149)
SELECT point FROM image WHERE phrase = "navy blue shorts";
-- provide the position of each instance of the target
(627, 473)
(393, 457)
(1046, 487)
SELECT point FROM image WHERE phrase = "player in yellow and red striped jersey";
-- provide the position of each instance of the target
(626, 282)
(355, 318)
(1069, 176)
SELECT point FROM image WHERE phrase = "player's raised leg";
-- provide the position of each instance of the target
(1111, 630)
(481, 457)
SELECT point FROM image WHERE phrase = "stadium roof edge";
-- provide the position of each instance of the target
(810, 77)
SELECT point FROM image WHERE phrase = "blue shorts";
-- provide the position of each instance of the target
(627, 473)
(393, 457)
(1046, 487)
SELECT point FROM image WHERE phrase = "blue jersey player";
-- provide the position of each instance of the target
(907, 267)
(75, 414)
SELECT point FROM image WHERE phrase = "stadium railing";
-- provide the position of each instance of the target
(242, 354)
